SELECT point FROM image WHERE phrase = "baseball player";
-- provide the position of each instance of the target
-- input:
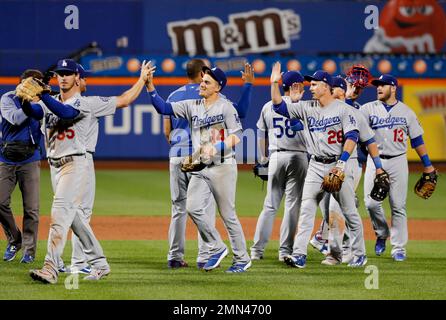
(66, 122)
(357, 78)
(287, 167)
(333, 216)
(331, 134)
(101, 107)
(394, 123)
(215, 126)
(177, 132)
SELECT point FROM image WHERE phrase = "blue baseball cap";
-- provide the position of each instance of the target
(82, 72)
(217, 74)
(385, 79)
(67, 65)
(339, 82)
(290, 77)
(320, 76)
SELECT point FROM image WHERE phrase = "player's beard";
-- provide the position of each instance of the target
(384, 96)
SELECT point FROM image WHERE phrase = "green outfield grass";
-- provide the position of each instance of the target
(146, 193)
(139, 272)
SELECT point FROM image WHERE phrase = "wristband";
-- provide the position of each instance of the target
(344, 156)
(426, 161)
(377, 162)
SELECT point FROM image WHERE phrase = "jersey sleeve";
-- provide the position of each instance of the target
(102, 106)
(349, 120)
(365, 110)
(232, 120)
(261, 123)
(365, 132)
(296, 109)
(413, 126)
(182, 109)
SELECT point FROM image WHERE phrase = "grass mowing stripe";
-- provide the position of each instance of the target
(139, 272)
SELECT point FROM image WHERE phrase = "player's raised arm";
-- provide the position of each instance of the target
(130, 95)
(29, 89)
(276, 75)
(160, 105)
(245, 99)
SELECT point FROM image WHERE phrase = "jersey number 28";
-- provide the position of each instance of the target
(335, 136)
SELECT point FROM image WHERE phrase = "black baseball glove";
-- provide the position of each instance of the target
(381, 187)
(261, 171)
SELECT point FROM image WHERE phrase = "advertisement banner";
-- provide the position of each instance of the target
(136, 132)
(429, 103)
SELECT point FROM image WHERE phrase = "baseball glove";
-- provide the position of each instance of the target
(192, 165)
(29, 88)
(425, 186)
(381, 187)
(333, 181)
(261, 171)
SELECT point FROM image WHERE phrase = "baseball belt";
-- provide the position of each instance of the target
(57, 163)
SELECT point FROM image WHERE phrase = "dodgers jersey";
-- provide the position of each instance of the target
(325, 126)
(393, 127)
(180, 141)
(100, 107)
(64, 137)
(209, 125)
(280, 135)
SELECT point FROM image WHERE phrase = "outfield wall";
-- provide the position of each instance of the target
(136, 132)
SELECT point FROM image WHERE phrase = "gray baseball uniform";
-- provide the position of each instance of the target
(393, 127)
(210, 125)
(100, 107)
(288, 163)
(336, 230)
(324, 129)
(66, 142)
(179, 181)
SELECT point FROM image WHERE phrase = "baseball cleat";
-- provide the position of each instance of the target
(97, 274)
(200, 265)
(75, 270)
(240, 267)
(176, 264)
(358, 261)
(319, 244)
(27, 258)
(256, 256)
(10, 253)
(380, 246)
(330, 261)
(298, 261)
(347, 256)
(214, 260)
(399, 256)
(43, 275)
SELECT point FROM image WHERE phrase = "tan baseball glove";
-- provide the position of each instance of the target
(333, 181)
(425, 186)
(29, 88)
